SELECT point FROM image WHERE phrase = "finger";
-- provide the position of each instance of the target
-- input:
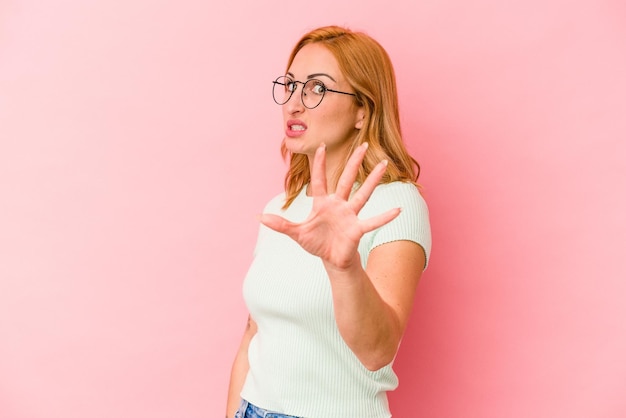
(278, 223)
(346, 181)
(377, 221)
(361, 196)
(318, 172)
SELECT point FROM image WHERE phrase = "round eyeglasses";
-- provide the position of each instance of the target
(312, 92)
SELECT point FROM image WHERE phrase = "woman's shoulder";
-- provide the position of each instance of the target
(275, 204)
(396, 191)
(398, 187)
(396, 194)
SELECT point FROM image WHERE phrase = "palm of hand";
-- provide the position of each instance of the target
(333, 230)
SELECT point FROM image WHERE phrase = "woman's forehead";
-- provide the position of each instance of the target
(315, 60)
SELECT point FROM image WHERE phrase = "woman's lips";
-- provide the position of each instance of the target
(295, 128)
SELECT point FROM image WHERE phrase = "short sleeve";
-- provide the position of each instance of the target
(412, 224)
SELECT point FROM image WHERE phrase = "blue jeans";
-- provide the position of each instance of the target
(247, 410)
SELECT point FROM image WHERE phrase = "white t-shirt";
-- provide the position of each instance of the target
(299, 363)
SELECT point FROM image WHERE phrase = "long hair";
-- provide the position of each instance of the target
(368, 69)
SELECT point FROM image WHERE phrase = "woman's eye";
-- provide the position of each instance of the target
(318, 88)
(290, 86)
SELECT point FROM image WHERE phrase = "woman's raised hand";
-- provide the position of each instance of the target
(332, 230)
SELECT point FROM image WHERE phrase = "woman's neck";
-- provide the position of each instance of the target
(334, 160)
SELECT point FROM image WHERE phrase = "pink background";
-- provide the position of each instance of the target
(138, 140)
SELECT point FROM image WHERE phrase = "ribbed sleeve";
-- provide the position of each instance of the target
(412, 224)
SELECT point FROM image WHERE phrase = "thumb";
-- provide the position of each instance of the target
(277, 223)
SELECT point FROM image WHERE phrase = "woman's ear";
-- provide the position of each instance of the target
(360, 117)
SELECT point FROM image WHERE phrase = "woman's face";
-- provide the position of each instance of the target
(337, 119)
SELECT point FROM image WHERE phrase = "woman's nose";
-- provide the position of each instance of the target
(294, 104)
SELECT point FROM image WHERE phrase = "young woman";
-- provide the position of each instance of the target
(340, 253)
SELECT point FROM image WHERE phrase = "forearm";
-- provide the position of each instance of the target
(239, 370)
(368, 325)
(237, 378)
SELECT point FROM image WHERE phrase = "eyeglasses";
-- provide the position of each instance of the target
(312, 93)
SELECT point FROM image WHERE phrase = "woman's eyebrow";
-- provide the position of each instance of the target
(314, 76)
(318, 75)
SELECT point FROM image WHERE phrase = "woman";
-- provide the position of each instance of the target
(340, 253)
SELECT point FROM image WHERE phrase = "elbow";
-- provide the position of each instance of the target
(380, 355)
(374, 367)
(377, 362)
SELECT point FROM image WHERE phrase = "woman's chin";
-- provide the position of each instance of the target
(298, 146)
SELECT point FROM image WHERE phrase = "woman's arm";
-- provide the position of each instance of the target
(372, 306)
(239, 370)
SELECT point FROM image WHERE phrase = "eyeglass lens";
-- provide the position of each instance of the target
(312, 91)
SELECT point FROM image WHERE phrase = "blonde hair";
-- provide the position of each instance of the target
(367, 67)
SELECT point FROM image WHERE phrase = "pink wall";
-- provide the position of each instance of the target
(132, 135)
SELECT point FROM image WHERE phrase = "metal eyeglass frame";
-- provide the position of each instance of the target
(302, 94)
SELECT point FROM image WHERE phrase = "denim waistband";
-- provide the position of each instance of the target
(248, 410)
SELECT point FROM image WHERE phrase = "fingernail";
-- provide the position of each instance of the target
(365, 145)
(385, 162)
